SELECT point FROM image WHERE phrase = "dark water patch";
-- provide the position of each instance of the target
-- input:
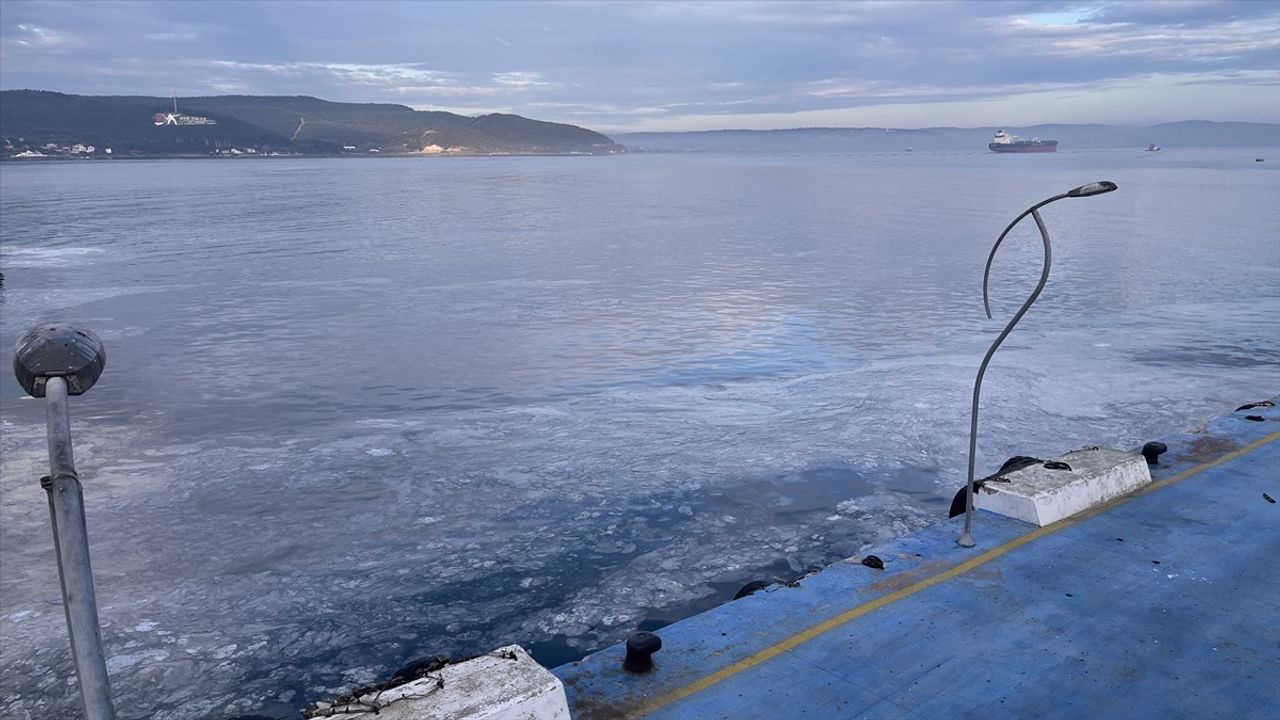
(1255, 356)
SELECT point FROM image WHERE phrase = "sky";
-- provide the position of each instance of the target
(669, 66)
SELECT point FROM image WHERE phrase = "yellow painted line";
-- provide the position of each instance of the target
(854, 613)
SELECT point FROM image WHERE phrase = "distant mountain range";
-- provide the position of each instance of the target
(30, 120)
(1070, 137)
(37, 122)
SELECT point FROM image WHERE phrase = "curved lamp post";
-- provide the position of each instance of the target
(1097, 188)
(54, 361)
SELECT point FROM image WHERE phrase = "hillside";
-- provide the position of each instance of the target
(1070, 137)
(34, 118)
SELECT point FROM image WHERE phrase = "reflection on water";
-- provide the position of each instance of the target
(360, 412)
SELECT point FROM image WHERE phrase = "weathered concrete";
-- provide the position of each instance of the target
(1040, 496)
(504, 685)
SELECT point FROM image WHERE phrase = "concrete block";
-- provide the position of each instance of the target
(506, 684)
(1042, 496)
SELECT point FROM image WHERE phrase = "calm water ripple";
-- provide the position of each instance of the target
(357, 412)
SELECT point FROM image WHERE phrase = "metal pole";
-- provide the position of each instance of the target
(71, 543)
(966, 538)
(1088, 190)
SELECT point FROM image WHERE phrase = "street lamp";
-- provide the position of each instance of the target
(53, 361)
(1096, 188)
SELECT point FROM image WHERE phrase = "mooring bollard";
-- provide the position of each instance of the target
(55, 361)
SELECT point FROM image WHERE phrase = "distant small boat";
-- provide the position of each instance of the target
(908, 148)
(1153, 148)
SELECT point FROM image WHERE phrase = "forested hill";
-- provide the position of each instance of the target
(30, 119)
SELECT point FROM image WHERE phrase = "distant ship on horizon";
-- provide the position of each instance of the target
(1006, 143)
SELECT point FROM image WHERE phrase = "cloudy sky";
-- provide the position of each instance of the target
(617, 66)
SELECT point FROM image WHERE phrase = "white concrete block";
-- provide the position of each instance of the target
(504, 685)
(1041, 496)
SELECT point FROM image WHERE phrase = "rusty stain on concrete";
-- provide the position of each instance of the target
(1208, 447)
(900, 580)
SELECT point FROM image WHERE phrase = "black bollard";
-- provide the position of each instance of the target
(1153, 450)
(640, 649)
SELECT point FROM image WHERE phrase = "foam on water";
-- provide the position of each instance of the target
(26, 257)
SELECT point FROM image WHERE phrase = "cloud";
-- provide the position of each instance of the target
(1166, 43)
(619, 64)
(399, 78)
(519, 80)
(1140, 100)
(884, 92)
(591, 109)
(172, 36)
(393, 75)
(469, 110)
(37, 37)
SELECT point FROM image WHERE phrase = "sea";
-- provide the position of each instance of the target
(358, 412)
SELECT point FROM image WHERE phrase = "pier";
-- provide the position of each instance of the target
(1161, 603)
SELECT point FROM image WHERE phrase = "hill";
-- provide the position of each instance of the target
(1070, 137)
(132, 125)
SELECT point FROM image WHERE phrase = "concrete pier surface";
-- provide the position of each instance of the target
(1164, 603)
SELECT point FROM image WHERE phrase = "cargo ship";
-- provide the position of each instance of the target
(1006, 143)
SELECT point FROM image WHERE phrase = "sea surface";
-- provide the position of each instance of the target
(358, 412)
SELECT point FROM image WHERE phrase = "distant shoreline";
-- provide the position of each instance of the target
(292, 156)
(1251, 151)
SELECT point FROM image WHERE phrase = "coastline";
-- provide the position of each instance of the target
(297, 156)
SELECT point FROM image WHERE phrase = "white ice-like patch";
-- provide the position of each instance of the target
(848, 507)
(172, 450)
(49, 256)
(359, 676)
(116, 663)
(223, 652)
(389, 423)
(379, 452)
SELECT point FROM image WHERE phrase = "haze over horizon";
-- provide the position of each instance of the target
(633, 67)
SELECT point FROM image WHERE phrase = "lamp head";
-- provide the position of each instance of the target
(1094, 188)
(58, 350)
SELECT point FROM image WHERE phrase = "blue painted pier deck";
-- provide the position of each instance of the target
(1163, 604)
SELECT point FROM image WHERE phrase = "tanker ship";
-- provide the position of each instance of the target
(1006, 143)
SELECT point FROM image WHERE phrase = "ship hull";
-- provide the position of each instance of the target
(1042, 147)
